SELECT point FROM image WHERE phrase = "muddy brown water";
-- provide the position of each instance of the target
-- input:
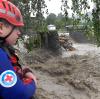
(75, 75)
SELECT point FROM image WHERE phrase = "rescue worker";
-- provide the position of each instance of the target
(15, 82)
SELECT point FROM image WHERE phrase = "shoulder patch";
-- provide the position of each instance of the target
(8, 78)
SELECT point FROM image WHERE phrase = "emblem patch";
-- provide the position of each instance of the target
(8, 78)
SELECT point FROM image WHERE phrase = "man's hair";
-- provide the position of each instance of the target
(5, 22)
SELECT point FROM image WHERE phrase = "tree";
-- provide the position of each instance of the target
(32, 6)
(51, 18)
(80, 13)
(63, 21)
(59, 21)
(39, 20)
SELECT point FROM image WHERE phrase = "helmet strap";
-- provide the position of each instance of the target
(9, 33)
(2, 39)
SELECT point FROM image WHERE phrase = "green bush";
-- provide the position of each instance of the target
(33, 42)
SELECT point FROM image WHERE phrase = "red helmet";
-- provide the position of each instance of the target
(11, 13)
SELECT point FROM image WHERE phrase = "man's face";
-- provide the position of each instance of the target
(13, 37)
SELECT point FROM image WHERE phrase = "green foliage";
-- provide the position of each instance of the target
(51, 18)
(37, 22)
(33, 42)
(96, 22)
(80, 14)
(59, 21)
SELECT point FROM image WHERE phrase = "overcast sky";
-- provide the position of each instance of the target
(54, 6)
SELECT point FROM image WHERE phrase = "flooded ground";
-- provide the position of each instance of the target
(82, 49)
(74, 75)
